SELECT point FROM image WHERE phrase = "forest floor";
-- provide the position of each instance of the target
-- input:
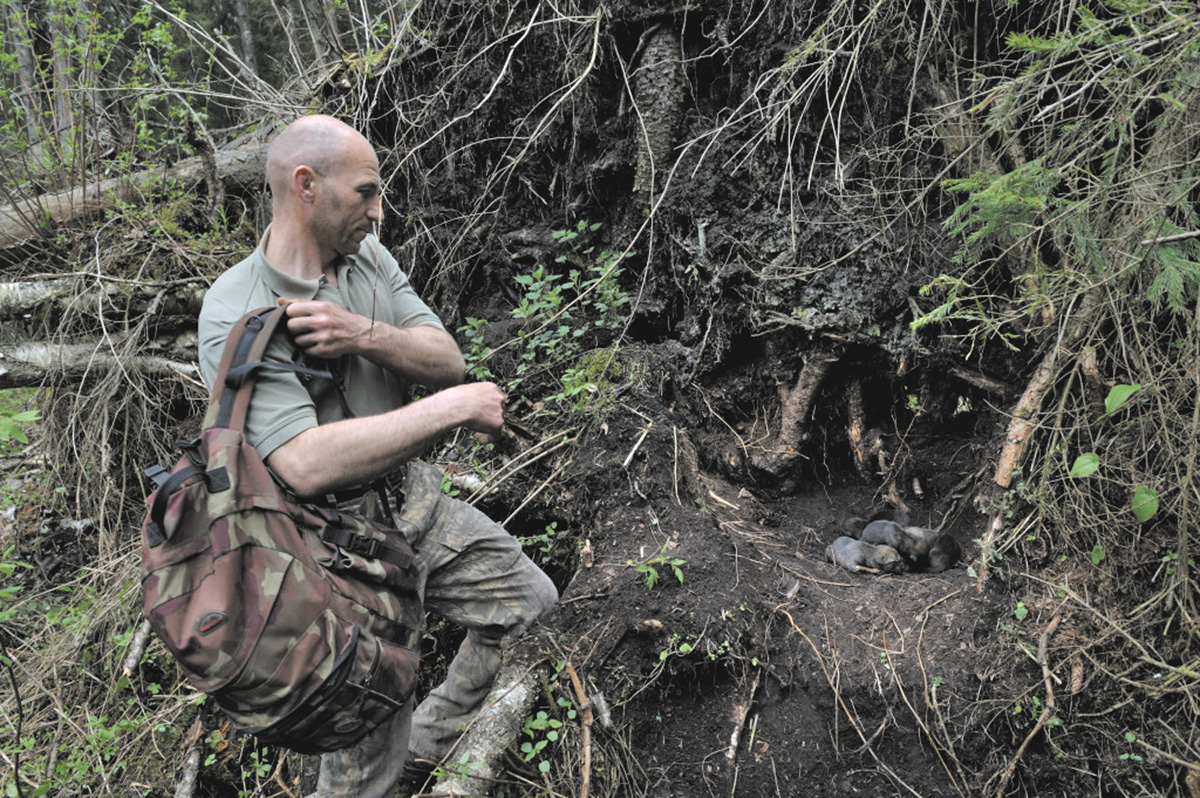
(759, 668)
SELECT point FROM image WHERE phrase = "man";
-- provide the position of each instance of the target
(352, 311)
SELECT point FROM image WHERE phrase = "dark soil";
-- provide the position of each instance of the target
(768, 670)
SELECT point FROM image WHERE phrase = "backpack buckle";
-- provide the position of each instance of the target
(364, 546)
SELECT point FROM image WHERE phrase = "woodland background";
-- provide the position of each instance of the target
(722, 257)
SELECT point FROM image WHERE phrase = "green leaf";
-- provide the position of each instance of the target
(1021, 611)
(1097, 554)
(1118, 396)
(1145, 503)
(1085, 465)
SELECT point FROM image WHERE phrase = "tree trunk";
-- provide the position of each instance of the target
(27, 365)
(242, 9)
(62, 44)
(33, 217)
(26, 96)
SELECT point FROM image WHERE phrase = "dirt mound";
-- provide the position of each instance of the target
(751, 665)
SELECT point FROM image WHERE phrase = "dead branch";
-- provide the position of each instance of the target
(496, 727)
(137, 648)
(740, 713)
(1047, 713)
(585, 709)
(186, 786)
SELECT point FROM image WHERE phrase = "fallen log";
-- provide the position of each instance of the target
(29, 364)
(477, 761)
(50, 299)
(34, 217)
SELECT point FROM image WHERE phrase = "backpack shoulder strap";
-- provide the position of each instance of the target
(241, 360)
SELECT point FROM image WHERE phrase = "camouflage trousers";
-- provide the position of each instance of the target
(474, 574)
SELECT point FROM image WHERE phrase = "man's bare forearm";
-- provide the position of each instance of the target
(424, 355)
(355, 451)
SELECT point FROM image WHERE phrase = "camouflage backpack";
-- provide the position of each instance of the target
(303, 623)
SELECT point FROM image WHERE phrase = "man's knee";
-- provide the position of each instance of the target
(543, 596)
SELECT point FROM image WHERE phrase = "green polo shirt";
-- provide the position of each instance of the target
(283, 405)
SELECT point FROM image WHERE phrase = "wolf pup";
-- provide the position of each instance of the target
(931, 550)
(853, 554)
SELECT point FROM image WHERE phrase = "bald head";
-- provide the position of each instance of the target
(318, 142)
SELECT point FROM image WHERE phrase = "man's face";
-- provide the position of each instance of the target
(349, 201)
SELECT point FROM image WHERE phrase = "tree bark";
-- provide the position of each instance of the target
(26, 96)
(48, 300)
(35, 216)
(26, 365)
(242, 9)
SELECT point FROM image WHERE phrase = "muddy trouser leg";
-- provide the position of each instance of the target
(477, 577)
(371, 768)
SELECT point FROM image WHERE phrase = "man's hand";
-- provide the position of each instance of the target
(487, 409)
(326, 330)
(426, 355)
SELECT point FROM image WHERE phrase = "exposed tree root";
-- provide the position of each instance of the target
(796, 403)
(857, 429)
(1023, 423)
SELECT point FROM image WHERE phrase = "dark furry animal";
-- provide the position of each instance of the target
(888, 533)
(854, 525)
(924, 549)
(852, 554)
(931, 550)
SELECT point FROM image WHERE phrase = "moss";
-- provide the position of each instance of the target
(592, 386)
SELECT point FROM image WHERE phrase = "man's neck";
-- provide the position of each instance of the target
(293, 252)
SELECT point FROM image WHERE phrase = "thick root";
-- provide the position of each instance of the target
(796, 403)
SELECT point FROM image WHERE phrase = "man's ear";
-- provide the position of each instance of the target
(304, 182)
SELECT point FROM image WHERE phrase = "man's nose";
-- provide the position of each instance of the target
(375, 210)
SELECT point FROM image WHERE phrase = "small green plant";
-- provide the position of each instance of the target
(543, 542)
(464, 766)
(542, 731)
(477, 351)
(564, 308)
(1144, 503)
(9, 592)
(649, 568)
(10, 428)
(1131, 756)
(543, 728)
(676, 647)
